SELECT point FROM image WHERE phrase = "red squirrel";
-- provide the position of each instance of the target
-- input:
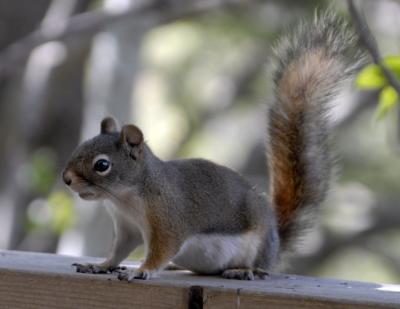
(202, 216)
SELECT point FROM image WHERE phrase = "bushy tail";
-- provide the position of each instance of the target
(311, 66)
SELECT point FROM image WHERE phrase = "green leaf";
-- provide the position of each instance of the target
(42, 170)
(388, 98)
(371, 77)
(393, 64)
(62, 208)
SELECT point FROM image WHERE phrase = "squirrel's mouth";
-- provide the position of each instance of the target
(87, 195)
(85, 192)
(82, 186)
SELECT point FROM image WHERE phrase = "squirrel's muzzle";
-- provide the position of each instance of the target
(66, 177)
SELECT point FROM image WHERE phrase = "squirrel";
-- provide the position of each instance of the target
(202, 216)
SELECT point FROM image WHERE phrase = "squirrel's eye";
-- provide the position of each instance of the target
(101, 166)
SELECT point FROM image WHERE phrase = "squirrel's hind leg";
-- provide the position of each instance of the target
(238, 273)
(244, 273)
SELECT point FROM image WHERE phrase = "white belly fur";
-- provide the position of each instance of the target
(213, 253)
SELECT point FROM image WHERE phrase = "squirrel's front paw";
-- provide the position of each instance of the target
(96, 268)
(143, 274)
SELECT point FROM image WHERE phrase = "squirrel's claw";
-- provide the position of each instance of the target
(90, 268)
(244, 274)
(261, 273)
(238, 274)
(96, 268)
(143, 274)
(123, 276)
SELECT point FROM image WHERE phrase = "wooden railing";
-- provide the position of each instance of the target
(35, 280)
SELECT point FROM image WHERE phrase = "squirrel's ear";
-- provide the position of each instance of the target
(131, 135)
(132, 138)
(108, 125)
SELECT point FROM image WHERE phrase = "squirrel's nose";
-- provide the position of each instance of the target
(66, 178)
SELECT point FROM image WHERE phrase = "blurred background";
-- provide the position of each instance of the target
(195, 76)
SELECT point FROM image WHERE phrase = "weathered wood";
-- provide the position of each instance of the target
(36, 280)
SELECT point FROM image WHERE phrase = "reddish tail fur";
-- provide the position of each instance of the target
(311, 66)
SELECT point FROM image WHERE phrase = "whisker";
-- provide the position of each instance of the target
(83, 181)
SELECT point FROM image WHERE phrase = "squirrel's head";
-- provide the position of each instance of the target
(107, 164)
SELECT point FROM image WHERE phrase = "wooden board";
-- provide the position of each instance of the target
(36, 280)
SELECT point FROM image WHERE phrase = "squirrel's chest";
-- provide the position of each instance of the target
(132, 211)
(209, 254)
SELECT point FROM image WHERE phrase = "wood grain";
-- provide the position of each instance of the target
(36, 280)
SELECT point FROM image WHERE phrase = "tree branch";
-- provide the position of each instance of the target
(370, 43)
(92, 22)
